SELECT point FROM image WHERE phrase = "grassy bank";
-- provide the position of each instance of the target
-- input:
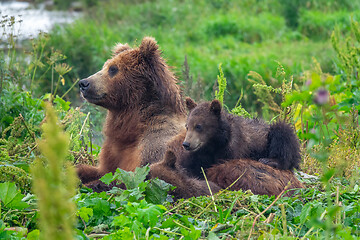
(242, 35)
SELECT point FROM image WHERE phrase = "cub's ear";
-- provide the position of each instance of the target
(190, 104)
(120, 48)
(148, 48)
(215, 107)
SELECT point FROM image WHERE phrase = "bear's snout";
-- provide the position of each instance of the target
(186, 145)
(84, 85)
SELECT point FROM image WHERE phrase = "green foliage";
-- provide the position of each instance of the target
(245, 36)
(16, 175)
(15, 102)
(55, 182)
(136, 187)
(62, 4)
(130, 179)
(11, 197)
(290, 11)
(245, 28)
(17, 211)
(219, 94)
(320, 25)
(21, 114)
(348, 54)
(343, 152)
(270, 96)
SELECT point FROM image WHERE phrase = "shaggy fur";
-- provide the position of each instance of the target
(214, 134)
(144, 106)
(255, 176)
(247, 174)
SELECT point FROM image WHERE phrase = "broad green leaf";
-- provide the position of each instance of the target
(107, 178)
(121, 221)
(192, 234)
(137, 227)
(156, 191)
(168, 223)
(11, 197)
(34, 235)
(85, 213)
(132, 179)
(80, 235)
(296, 97)
(61, 104)
(132, 195)
(122, 234)
(149, 215)
(305, 213)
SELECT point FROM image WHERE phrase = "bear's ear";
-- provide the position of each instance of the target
(148, 48)
(120, 48)
(190, 104)
(215, 107)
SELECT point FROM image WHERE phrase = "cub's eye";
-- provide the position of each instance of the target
(112, 70)
(198, 127)
(186, 126)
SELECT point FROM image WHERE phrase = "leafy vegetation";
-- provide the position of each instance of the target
(279, 59)
(242, 35)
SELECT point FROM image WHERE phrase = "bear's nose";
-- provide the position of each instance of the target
(186, 145)
(84, 84)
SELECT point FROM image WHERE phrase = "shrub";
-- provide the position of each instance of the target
(316, 24)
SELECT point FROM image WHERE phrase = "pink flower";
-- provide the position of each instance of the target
(321, 96)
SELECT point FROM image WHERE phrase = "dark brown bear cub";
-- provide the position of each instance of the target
(213, 134)
(236, 174)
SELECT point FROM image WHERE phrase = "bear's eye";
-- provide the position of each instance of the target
(198, 127)
(112, 70)
(186, 126)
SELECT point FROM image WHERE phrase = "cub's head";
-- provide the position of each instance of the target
(203, 124)
(132, 77)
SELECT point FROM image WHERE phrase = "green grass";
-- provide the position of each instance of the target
(243, 36)
(319, 25)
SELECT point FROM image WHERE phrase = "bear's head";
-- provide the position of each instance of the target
(133, 78)
(205, 127)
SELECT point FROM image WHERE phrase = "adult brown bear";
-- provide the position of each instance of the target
(145, 109)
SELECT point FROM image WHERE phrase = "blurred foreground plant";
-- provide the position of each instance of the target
(54, 182)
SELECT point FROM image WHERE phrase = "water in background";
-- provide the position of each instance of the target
(29, 21)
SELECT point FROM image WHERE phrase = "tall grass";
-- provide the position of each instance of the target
(242, 35)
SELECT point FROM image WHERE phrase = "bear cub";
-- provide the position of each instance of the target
(236, 174)
(213, 134)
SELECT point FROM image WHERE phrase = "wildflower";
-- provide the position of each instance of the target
(62, 68)
(321, 96)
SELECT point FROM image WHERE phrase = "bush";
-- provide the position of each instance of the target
(246, 28)
(316, 24)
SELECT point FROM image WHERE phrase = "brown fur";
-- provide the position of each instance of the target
(255, 176)
(144, 106)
